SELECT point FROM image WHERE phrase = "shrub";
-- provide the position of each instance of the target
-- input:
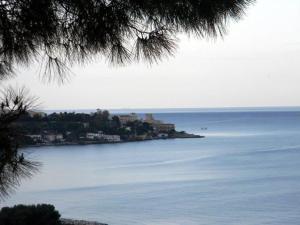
(30, 215)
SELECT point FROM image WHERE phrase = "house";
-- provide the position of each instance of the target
(59, 137)
(112, 138)
(150, 119)
(128, 118)
(54, 137)
(92, 136)
(104, 137)
(164, 127)
(158, 125)
(36, 137)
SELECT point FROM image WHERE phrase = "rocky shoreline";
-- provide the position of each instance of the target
(184, 135)
(79, 222)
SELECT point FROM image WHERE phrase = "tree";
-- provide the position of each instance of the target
(59, 33)
(13, 165)
(30, 215)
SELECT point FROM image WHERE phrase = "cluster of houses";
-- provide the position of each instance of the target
(100, 136)
(46, 138)
(59, 138)
(160, 128)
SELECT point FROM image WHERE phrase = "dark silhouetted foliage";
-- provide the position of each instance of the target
(63, 32)
(75, 126)
(30, 215)
(13, 165)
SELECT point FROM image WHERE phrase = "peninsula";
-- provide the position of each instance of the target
(41, 129)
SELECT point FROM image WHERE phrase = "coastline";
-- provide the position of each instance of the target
(79, 222)
(178, 135)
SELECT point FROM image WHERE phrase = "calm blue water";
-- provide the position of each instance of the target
(246, 171)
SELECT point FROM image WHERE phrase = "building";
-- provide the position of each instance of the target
(150, 119)
(54, 137)
(128, 118)
(112, 138)
(92, 136)
(100, 136)
(36, 137)
(164, 127)
(158, 125)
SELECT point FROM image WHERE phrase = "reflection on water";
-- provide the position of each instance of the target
(246, 171)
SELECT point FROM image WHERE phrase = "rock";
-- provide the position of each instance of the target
(185, 135)
(79, 222)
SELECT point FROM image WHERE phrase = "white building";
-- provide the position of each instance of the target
(112, 138)
(54, 137)
(35, 137)
(92, 136)
(105, 137)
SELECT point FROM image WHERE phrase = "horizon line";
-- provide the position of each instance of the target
(253, 108)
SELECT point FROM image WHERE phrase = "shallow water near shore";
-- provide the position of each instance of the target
(246, 171)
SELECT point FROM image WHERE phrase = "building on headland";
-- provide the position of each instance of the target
(128, 118)
(86, 129)
(164, 127)
(54, 137)
(36, 137)
(158, 125)
(46, 138)
(150, 119)
(100, 136)
(92, 136)
(112, 138)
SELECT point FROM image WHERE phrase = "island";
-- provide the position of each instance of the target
(70, 128)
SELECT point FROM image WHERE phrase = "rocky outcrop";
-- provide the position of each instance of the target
(79, 222)
(184, 135)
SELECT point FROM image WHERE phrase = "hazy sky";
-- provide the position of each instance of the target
(256, 64)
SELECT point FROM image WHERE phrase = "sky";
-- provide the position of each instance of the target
(256, 64)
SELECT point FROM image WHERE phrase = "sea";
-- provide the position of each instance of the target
(246, 171)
